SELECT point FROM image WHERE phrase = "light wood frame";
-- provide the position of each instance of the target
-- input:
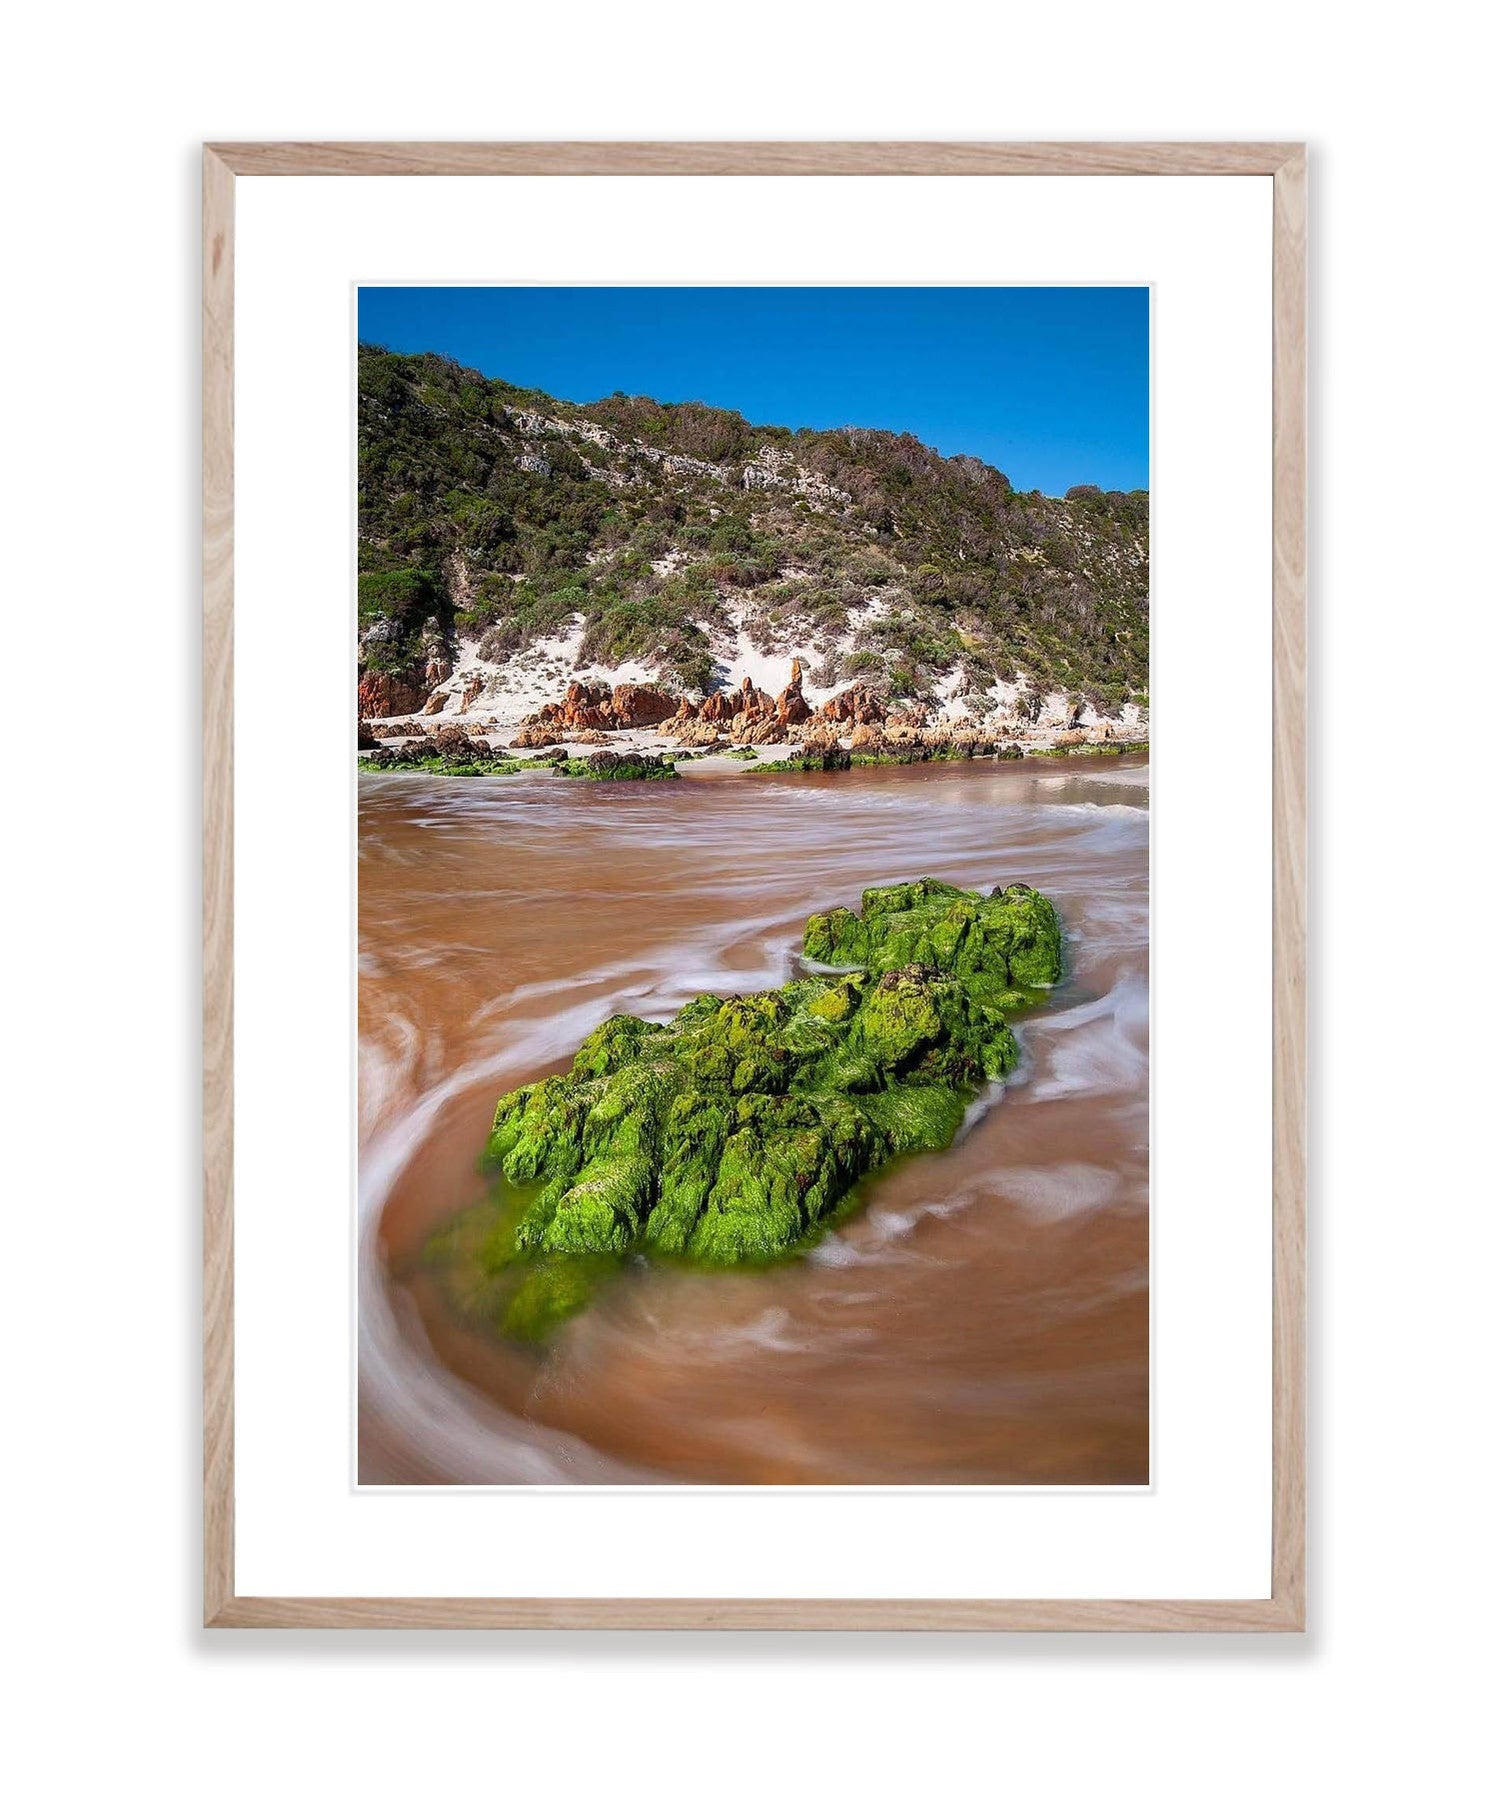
(1285, 1609)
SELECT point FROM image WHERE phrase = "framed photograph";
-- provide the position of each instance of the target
(753, 1013)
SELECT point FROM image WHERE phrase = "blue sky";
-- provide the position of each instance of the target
(1050, 384)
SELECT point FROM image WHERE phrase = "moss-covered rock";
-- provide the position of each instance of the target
(734, 1133)
(1119, 747)
(474, 759)
(815, 760)
(607, 765)
(998, 947)
(423, 758)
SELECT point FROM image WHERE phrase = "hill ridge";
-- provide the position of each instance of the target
(510, 542)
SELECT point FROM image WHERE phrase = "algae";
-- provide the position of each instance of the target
(835, 759)
(413, 760)
(605, 766)
(1121, 747)
(609, 766)
(737, 1131)
(832, 760)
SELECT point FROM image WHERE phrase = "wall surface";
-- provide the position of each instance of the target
(105, 110)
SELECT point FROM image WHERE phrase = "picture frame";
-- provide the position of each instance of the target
(1284, 164)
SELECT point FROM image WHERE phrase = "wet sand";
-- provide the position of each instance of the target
(983, 1319)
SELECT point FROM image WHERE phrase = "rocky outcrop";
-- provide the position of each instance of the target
(727, 704)
(695, 718)
(584, 707)
(777, 470)
(390, 696)
(901, 742)
(856, 705)
(452, 741)
(595, 706)
(757, 727)
(695, 733)
(817, 734)
(792, 707)
(755, 705)
(638, 707)
(750, 714)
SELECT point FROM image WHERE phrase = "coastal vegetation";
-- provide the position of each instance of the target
(643, 532)
(739, 1131)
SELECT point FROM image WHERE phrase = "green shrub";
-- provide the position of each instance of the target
(1057, 586)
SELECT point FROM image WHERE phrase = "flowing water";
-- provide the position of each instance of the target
(984, 1317)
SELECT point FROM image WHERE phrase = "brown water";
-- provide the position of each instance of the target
(985, 1318)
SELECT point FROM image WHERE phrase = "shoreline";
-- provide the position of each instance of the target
(633, 730)
(645, 755)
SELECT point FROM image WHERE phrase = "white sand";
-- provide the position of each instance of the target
(539, 675)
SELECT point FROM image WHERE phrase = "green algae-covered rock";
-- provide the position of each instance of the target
(734, 1132)
(816, 760)
(1009, 941)
(609, 766)
(422, 758)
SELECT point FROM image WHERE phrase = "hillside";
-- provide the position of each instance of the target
(510, 543)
